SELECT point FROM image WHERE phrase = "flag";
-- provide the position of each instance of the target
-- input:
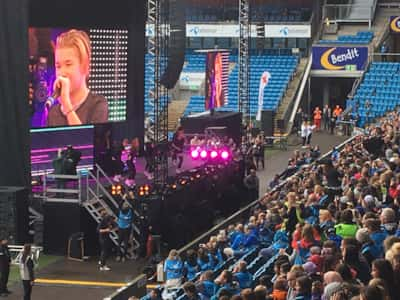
(265, 77)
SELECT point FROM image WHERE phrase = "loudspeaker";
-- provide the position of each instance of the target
(14, 214)
(267, 122)
(176, 46)
(61, 220)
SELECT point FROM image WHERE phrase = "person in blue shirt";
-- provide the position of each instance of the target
(203, 259)
(173, 268)
(206, 286)
(125, 219)
(226, 283)
(190, 265)
(242, 276)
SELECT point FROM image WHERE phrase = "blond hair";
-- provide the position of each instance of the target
(80, 41)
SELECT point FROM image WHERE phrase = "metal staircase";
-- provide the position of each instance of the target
(90, 192)
(96, 203)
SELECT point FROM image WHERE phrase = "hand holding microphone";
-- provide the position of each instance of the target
(62, 89)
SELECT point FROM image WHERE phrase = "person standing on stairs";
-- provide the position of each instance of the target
(104, 228)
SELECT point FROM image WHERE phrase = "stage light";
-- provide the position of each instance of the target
(213, 154)
(146, 188)
(203, 154)
(194, 154)
(224, 154)
(173, 186)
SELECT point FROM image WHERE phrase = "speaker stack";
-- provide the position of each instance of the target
(176, 47)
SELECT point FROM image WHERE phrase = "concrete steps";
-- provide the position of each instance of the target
(290, 92)
(175, 111)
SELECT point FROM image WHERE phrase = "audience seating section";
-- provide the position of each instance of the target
(381, 86)
(281, 69)
(362, 37)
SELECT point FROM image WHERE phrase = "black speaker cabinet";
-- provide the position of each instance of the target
(267, 122)
(14, 214)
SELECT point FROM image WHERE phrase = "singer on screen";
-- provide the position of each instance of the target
(76, 103)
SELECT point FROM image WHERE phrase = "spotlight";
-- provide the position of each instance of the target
(116, 189)
(213, 154)
(224, 154)
(203, 154)
(195, 154)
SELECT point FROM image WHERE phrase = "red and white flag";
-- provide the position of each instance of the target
(265, 77)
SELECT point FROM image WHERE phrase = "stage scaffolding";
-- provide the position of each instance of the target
(158, 38)
(243, 59)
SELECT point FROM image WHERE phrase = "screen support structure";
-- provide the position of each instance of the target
(157, 18)
(244, 43)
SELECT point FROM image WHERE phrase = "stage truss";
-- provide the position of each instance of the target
(243, 60)
(157, 18)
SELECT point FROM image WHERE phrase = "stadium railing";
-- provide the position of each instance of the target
(137, 287)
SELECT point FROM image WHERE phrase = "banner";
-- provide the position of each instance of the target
(232, 30)
(394, 24)
(265, 77)
(339, 58)
(288, 31)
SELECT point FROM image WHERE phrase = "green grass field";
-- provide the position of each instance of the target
(44, 261)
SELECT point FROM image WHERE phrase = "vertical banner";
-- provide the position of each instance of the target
(217, 72)
(265, 77)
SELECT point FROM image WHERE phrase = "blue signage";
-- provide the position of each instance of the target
(339, 58)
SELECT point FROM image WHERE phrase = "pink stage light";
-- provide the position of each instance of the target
(195, 153)
(225, 154)
(214, 154)
(203, 154)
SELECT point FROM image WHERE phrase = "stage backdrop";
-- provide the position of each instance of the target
(14, 119)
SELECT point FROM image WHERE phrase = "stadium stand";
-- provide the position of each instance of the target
(362, 37)
(281, 69)
(380, 87)
(260, 13)
(299, 232)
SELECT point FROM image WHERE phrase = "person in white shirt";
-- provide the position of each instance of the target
(310, 129)
(26, 271)
(304, 131)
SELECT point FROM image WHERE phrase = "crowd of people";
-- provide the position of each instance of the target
(330, 231)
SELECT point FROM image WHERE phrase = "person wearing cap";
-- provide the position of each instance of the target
(125, 219)
(5, 260)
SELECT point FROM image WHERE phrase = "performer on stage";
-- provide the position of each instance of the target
(178, 143)
(77, 104)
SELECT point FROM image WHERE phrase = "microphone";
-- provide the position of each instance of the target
(52, 99)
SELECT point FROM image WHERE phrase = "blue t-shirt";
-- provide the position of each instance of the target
(245, 279)
(173, 269)
(125, 219)
(208, 288)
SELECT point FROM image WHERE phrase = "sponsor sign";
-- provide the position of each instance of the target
(339, 58)
(288, 31)
(191, 81)
(232, 30)
(394, 24)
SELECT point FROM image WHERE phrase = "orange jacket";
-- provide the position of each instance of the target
(278, 295)
(317, 114)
